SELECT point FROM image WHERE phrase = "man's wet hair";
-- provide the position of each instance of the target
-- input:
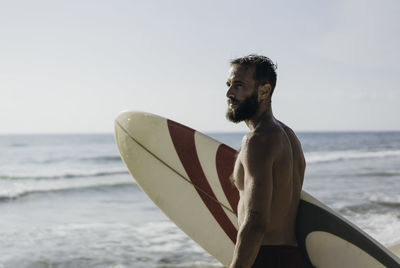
(264, 69)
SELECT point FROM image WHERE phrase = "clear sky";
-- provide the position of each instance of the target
(72, 66)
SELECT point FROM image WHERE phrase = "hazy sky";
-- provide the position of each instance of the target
(72, 66)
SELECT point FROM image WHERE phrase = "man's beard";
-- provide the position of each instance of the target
(244, 110)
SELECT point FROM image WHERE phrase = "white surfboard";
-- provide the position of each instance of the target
(186, 174)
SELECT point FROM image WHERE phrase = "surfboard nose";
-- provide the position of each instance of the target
(127, 119)
(139, 125)
(149, 131)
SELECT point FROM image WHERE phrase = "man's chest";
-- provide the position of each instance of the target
(238, 174)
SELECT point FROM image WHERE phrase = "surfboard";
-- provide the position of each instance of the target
(186, 174)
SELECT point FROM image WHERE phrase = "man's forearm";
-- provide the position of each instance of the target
(248, 243)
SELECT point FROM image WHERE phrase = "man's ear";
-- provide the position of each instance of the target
(264, 91)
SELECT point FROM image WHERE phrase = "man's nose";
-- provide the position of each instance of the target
(230, 93)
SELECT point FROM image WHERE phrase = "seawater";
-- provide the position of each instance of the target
(68, 200)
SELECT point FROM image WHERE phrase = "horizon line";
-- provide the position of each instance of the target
(205, 132)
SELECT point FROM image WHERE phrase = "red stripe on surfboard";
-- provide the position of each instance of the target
(183, 140)
(225, 161)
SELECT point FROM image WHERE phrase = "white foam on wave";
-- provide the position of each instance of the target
(149, 244)
(330, 156)
(383, 227)
(382, 197)
(30, 171)
(11, 189)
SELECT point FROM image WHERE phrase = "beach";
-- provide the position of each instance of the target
(68, 200)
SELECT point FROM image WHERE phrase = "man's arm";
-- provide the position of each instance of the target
(257, 161)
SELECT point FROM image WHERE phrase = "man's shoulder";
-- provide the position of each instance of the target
(264, 142)
(290, 134)
(286, 128)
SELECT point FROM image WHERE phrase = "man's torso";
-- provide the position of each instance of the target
(288, 173)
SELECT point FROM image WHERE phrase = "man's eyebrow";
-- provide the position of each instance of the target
(237, 82)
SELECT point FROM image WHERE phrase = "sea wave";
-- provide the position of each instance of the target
(151, 242)
(64, 176)
(321, 157)
(93, 159)
(19, 145)
(389, 204)
(379, 174)
(379, 202)
(23, 188)
(381, 226)
(385, 199)
(105, 158)
(370, 207)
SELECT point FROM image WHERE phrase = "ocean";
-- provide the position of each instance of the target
(68, 200)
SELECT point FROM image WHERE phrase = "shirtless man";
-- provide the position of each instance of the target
(269, 170)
